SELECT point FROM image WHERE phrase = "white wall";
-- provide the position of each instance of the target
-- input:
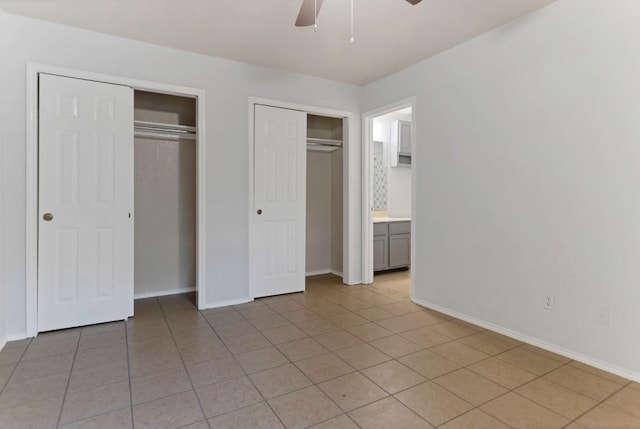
(165, 199)
(324, 244)
(165, 216)
(398, 178)
(399, 192)
(3, 105)
(527, 175)
(337, 211)
(228, 85)
(318, 244)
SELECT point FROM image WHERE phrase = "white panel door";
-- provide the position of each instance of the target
(279, 201)
(85, 234)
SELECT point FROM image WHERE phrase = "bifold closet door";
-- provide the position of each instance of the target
(85, 234)
(280, 159)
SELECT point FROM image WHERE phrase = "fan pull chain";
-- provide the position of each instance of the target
(352, 38)
(315, 16)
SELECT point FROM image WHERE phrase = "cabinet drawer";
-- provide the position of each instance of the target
(399, 228)
(380, 229)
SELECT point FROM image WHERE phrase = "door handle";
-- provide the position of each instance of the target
(48, 217)
(259, 211)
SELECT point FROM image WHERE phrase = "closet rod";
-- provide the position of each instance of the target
(163, 126)
(163, 135)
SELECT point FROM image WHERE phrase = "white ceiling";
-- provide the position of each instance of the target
(389, 34)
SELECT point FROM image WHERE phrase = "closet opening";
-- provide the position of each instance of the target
(324, 206)
(165, 160)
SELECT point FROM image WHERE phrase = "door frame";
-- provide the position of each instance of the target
(367, 187)
(32, 73)
(351, 215)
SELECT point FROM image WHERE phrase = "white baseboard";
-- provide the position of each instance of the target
(17, 337)
(3, 342)
(321, 272)
(622, 372)
(164, 293)
(226, 303)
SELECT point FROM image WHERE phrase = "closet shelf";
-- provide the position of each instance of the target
(327, 142)
(321, 148)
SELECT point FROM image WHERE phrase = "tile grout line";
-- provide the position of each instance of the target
(602, 402)
(184, 366)
(509, 390)
(66, 389)
(513, 390)
(496, 355)
(243, 371)
(521, 345)
(314, 384)
(15, 366)
(126, 341)
(431, 380)
(358, 371)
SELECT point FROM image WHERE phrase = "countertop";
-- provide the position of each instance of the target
(391, 219)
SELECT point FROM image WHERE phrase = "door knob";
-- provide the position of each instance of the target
(47, 217)
(259, 211)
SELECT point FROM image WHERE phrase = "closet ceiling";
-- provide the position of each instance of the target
(389, 34)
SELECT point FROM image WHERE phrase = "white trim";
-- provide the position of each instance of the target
(367, 180)
(164, 293)
(3, 343)
(228, 303)
(613, 369)
(351, 204)
(350, 213)
(31, 275)
(31, 215)
(367, 204)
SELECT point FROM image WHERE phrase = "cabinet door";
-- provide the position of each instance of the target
(399, 250)
(404, 138)
(380, 253)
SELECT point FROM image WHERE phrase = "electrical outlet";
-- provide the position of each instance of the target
(603, 314)
(549, 302)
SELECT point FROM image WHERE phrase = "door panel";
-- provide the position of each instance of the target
(85, 252)
(280, 194)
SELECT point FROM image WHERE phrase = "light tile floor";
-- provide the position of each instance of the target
(334, 357)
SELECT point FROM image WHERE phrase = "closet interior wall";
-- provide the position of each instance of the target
(165, 198)
(324, 238)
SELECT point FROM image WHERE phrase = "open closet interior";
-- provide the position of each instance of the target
(324, 244)
(165, 194)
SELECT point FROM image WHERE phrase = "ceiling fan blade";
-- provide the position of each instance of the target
(414, 2)
(306, 16)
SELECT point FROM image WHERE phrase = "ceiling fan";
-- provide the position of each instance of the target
(307, 16)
